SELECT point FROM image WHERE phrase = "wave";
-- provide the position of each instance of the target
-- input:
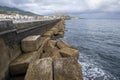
(93, 71)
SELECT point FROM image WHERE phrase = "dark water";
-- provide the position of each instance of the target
(99, 45)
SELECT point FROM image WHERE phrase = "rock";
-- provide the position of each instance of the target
(69, 52)
(62, 44)
(67, 69)
(40, 70)
(61, 34)
(48, 34)
(20, 64)
(30, 43)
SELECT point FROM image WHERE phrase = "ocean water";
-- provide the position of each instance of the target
(98, 41)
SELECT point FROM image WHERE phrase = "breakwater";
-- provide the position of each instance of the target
(30, 51)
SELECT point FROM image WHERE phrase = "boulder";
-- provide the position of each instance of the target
(69, 52)
(40, 70)
(30, 43)
(62, 44)
(20, 64)
(67, 69)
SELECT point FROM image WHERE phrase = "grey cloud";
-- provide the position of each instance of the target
(64, 6)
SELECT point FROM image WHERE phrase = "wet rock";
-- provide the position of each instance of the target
(69, 52)
(62, 44)
(67, 69)
(30, 43)
(40, 70)
(20, 64)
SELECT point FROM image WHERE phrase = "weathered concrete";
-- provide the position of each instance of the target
(69, 52)
(53, 53)
(40, 70)
(17, 78)
(50, 50)
(43, 47)
(67, 69)
(55, 30)
(43, 41)
(30, 43)
(53, 42)
(48, 34)
(62, 44)
(61, 34)
(20, 64)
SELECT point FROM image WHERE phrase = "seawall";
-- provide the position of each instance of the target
(26, 43)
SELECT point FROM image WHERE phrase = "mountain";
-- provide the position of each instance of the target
(10, 10)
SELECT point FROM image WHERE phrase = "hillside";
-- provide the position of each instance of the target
(9, 10)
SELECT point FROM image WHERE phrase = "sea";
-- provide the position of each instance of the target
(98, 41)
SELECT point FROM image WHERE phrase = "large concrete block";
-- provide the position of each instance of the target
(30, 43)
(43, 42)
(69, 52)
(17, 78)
(48, 34)
(20, 64)
(62, 44)
(53, 42)
(40, 70)
(61, 34)
(50, 50)
(53, 53)
(55, 30)
(67, 69)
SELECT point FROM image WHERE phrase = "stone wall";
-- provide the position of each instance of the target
(10, 40)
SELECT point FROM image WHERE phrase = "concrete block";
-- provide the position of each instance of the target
(53, 53)
(62, 44)
(53, 42)
(55, 30)
(20, 64)
(43, 42)
(40, 70)
(48, 34)
(17, 78)
(61, 34)
(69, 52)
(67, 69)
(30, 43)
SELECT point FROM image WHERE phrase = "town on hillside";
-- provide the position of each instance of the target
(19, 17)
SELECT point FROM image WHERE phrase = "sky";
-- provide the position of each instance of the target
(75, 7)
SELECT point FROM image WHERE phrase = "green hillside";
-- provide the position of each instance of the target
(9, 10)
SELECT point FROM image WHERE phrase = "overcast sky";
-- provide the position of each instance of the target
(44, 7)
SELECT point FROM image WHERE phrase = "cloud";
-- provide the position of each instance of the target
(64, 6)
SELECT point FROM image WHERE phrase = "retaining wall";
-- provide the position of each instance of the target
(10, 37)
